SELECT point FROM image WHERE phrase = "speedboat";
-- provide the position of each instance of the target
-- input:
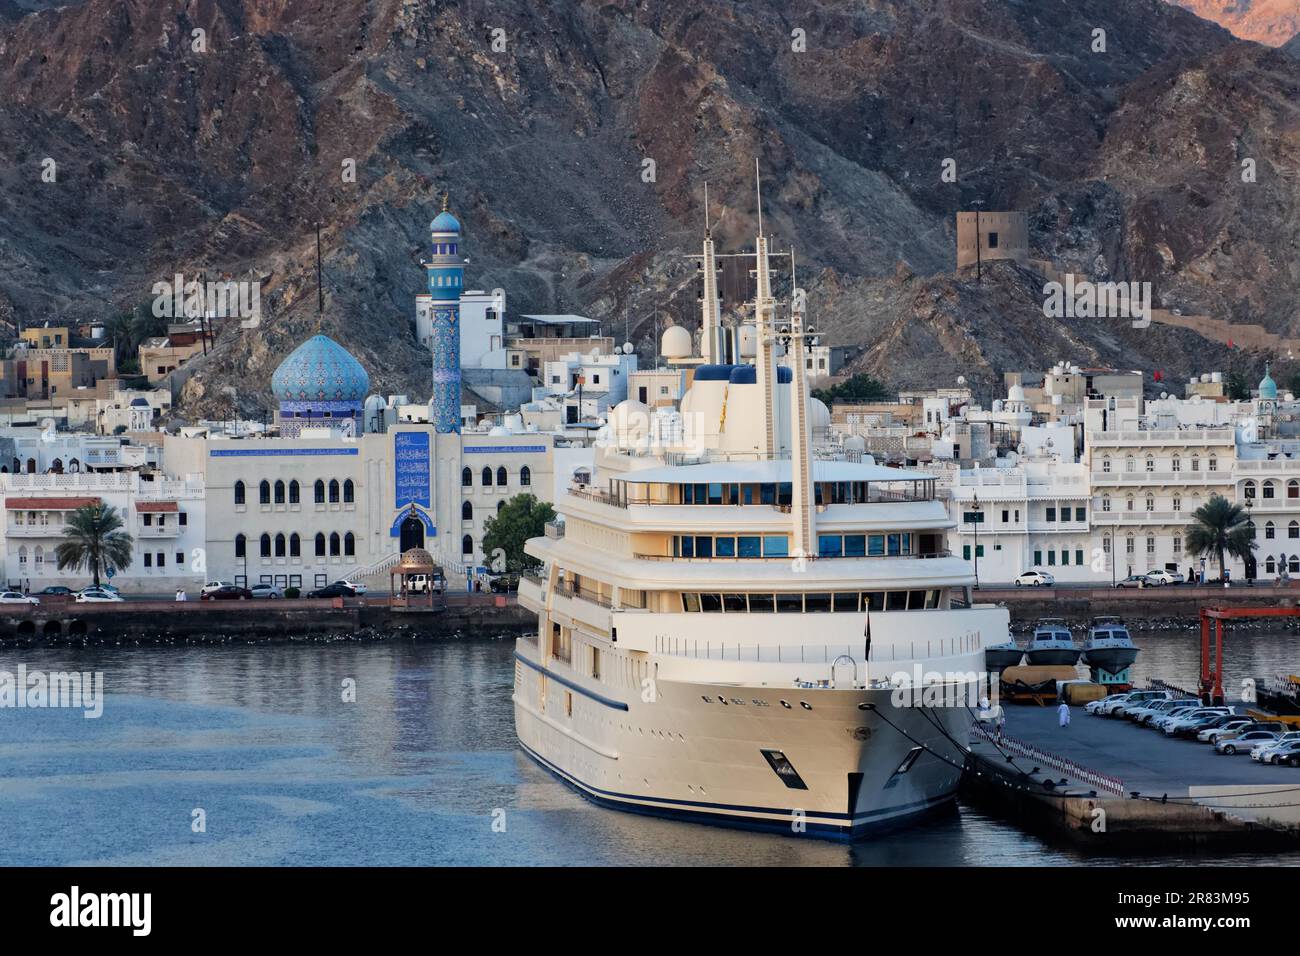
(1109, 646)
(998, 657)
(1052, 643)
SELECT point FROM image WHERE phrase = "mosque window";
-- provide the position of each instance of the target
(239, 492)
(349, 545)
(295, 546)
(1268, 489)
(320, 545)
(293, 492)
(334, 544)
(279, 546)
(241, 546)
(349, 492)
(466, 511)
(266, 545)
(334, 491)
(320, 492)
(466, 478)
(487, 477)
(264, 492)
(467, 545)
(525, 476)
(502, 478)
(279, 492)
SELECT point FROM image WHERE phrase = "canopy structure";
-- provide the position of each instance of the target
(413, 563)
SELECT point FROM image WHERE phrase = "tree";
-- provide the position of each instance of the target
(504, 534)
(92, 539)
(860, 388)
(1218, 526)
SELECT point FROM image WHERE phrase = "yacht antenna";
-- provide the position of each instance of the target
(711, 320)
(764, 333)
(800, 449)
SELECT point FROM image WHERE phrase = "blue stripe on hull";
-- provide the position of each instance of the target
(846, 832)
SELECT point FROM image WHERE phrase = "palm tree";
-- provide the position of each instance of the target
(1219, 526)
(92, 539)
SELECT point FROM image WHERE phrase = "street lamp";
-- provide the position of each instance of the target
(1250, 503)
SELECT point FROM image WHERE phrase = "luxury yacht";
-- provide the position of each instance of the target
(1052, 643)
(730, 632)
(1109, 646)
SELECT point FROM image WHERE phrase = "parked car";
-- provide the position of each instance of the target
(1189, 724)
(1143, 711)
(1094, 707)
(266, 591)
(357, 589)
(1222, 726)
(57, 589)
(17, 597)
(1158, 721)
(504, 584)
(227, 592)
(1136, 701)
(421, 583)
(1132, 581)
(1034, 579)
(1244, 742)
(1260, 751)
(93, 595)
(337, 589)
(212, 586)
(1161, 576)
(1283, 752)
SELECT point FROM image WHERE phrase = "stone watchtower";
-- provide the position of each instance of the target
(1001, 235)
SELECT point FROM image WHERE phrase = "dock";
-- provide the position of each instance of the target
(1106, 785)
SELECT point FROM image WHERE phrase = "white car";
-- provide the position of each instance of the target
(1261, 751)
(1147, 712)
(1245, 741)
(1034, 579)
(357, 589)
(1162, 576)
(1135, 701)
(98, 596)
(14, 597)
(1194, 720)
(1160, 720)
(1094, 707)
(215, 585)
(1283, 752)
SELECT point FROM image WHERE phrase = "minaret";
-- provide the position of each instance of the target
(711, 348)
(446, 281)
(801, 491)
(763, 318)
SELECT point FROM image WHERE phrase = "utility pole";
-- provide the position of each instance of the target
(979, 241)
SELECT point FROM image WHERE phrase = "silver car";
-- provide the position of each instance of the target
(266, 591)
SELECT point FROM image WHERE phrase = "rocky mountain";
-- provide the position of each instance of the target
(1273, 22)
(217, 152)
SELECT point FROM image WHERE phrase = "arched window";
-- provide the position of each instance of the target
(1176, 464)
(1293, 489)
(334, 491)
(266, 545)
(467, 545)
(1293, 563)
(320, 491)
(525, 476)
(1151, 503)
(39, 555)
(502, 478)
(239, 492)
(500, 505)
(466, 477)
(1151, 463)
(349, 545)
(1105, 503)
(1128, 503)
(1128, 463)
(279, 492)
(295, 546)
(1105, 465)
(487, 477)
(1270, 488)
(1196, 463)
(334, 544)
(293, 492)
(279, 545)
(31, 466)
(1213, 464)
(1293, 530)
(1270, 531)
(1270, 565)
(349, 495)
(22, 555)
(1248, 489)
(320, 545)
(466, 511)
(264, 492)
(241, 546)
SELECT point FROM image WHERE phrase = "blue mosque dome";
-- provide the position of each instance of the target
(445, 222)
(320, 370)
(1267, 387)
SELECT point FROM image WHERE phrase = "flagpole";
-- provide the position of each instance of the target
(866, 663)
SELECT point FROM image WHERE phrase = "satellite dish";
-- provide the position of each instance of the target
(961, 379)
(627, 348)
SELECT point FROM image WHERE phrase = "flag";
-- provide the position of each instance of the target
(866, 634)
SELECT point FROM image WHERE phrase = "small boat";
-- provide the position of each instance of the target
(1109, 646)
(998, 657)
(1280, 696)
(1052, 643)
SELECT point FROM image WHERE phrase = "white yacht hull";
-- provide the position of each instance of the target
(686, 755)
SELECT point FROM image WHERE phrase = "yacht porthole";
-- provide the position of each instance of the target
(785, 704)
(805, 705)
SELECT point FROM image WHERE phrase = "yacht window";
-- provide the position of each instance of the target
(895, 544)
(710, 602)
(749, 494)
(817, 603)
(874, 600)
(703, 547)
(715, 493)
(897, 601)
(830, 545)
(784, 769)
(724, 547)
(932, 599)
(734, 603)
(846, 600)
(855, 545)
(761, 604)
(789, 603)
(687, 497)
(749, 546)
(767, 494)
(690, 602)
(688, 546)
(907, 543)
(784, 494)
(876, 545)
(916, 600)
(775, 546)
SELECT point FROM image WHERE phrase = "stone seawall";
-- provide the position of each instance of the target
(1078, 605)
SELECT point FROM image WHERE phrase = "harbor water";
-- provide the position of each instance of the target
(259, 750)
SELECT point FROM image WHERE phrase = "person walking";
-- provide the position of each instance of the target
(1063, 714)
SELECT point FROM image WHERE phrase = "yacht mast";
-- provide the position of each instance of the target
(711, 321)
(801, 499)
(763, 309)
